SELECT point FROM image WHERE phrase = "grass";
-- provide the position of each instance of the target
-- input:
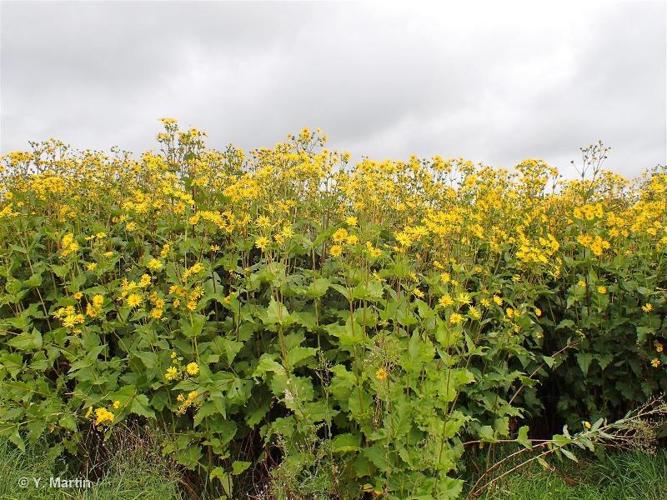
(139, 474)
(615, 476)
(127, 476)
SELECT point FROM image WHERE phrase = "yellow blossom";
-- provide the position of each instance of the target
(171, 373)
(336, 250)
(134, 300)
(154, 264)
(446, 300)
(103, 416)
(455, 318)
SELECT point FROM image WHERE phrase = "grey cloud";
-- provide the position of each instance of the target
(492, 83)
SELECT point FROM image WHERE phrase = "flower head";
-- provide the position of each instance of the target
(171, 373)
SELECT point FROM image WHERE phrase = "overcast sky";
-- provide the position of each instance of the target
(494, 82)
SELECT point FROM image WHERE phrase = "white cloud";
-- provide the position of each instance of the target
(492, 81)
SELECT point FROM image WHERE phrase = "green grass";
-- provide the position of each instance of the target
(616, 476)
(127, 476)
(140, 474)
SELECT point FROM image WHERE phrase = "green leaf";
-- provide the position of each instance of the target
(193, 326)
(378, 456)
(486, 434)
(276, 313)
(318, 288)
(584, 361)
(230, 348)
(141, 406)
(569, 454)
(189, 457)
(224, 478)
(549, 360)
(238, 467)
(68, 422)
(522, 437)
(27, 341)
(345, 443)
(148, 358)
(297, 355)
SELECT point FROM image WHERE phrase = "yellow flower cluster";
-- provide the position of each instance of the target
(595, 244)
(103, 417)
(68, 245)
(70, 318)
(186, 402)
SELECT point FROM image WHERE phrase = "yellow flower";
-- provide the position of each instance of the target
(418, 293)
(658, 346)
(262, 242)
(455, 318)
(510, 312)
(538, 312)
(91, 311)
(340, 235)
(134, 300)
(463, 298)
(154, 264)
(655, 362)
(446, 300)
(381, 374)
(91, 266)
(69, 245)
(145, 280)
(192, 369)
(171, 373)
(498, 301)
(372, 251)
(351, 221)
(77, 296)
(587, 424)
(336, 250)
(103, 416)
(474, 313)
(193, 270)
(602, 290)
(116, 404)
(98, 300)
(647, 308)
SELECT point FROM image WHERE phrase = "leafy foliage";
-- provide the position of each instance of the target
(346, 329)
